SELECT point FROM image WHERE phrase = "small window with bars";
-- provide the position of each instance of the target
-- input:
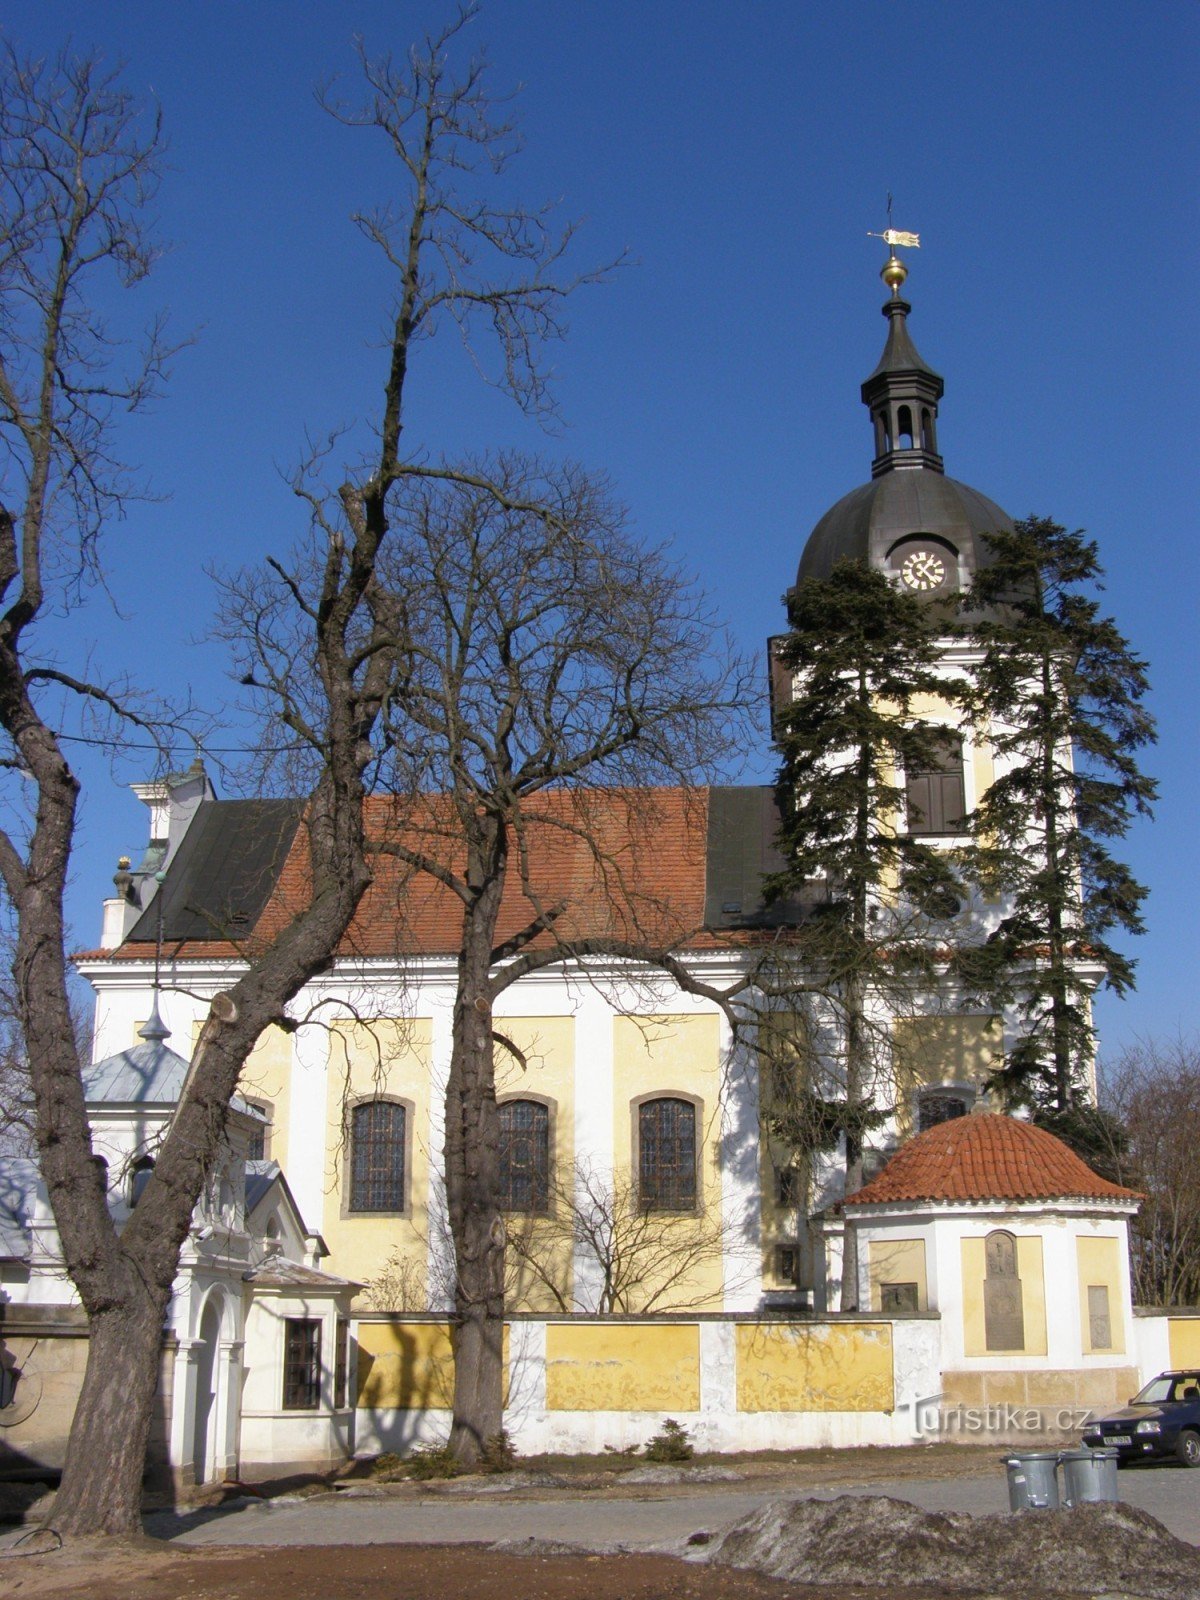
(377, 1133)
(935, 788)
(667, 1155)
(935, 1106)
(301, 1364)
(524, 1156)
(787, 1264)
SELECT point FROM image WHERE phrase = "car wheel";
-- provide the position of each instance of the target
(1188, 1448)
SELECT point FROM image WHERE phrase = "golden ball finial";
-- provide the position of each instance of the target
(893, 273)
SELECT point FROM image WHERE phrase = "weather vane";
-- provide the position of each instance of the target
(894, 271)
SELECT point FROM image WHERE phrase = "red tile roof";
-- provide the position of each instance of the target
(620, 864)
(986, 1157)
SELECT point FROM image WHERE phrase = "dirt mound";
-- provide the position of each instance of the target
(873, 1539)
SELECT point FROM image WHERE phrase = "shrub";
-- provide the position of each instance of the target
(433, 1461)
(499, 1453)
(672, 1444)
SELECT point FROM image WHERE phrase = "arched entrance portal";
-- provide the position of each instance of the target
(204, 1426)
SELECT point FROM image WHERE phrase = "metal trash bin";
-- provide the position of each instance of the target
(1033, 1480)
(1089, 1475)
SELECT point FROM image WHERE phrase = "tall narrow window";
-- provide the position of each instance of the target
(667, 1155)
(935, 790)
(301, 1364)
(139, 1177)
(377, 1156)
(524, 1156)
(259, 1147)
(904, 427)
(341, 1363)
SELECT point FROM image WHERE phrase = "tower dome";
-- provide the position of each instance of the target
(910, 518)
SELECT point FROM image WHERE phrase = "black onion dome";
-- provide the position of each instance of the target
(868, 523)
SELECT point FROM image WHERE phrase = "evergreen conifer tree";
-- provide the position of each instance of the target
(1059, 696)
(861, 654)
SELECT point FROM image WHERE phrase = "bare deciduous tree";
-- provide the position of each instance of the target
(77, 164)
(628, 1257)
(551, 675)
(1152, 1091)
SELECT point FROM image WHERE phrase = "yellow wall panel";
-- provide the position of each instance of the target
(1183, 1336)
(829, 1367)
(622, 1366)
(266, 1075)
(390, 1056)
(897, 1261)
(1100, 1263)
(406, 1365)
(675, 1055)
(548, 1073)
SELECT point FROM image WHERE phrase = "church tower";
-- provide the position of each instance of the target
(909, 519)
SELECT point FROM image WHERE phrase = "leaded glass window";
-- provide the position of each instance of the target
(667, 1155)
(377, 1156)
(524, 1156)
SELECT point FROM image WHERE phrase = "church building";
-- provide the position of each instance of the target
(640, 1171)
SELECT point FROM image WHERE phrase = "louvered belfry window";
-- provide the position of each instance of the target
(377, 1156)
(667, 1155)
(524, 1156)
(935, 790)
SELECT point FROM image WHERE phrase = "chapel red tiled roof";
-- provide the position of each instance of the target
(986, 1157)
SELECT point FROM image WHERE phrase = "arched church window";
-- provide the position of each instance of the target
(935, 1106)
(667, 1155)
(524, 1156)
(377, 1132)
(926, 429)
(904, 427)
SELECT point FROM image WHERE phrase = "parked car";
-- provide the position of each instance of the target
(1163, 1420)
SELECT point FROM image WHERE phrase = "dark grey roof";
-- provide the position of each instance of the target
(742, 827)
(222, 874)
(900, 354)
(866, 523)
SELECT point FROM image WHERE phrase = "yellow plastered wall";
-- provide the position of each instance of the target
(1099, 1262)
(391, 1057)
(779, 1223)
(267, 1075)
(1033, 1297)
(829, 1367)
(409, 1366)
(1183, 1341)
(897, 1261)
(548, 1073)
(953, 1049)
(675, 1056)
(621, 1366)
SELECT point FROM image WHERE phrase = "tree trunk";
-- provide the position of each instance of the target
(101, 1487)
(472, 1183)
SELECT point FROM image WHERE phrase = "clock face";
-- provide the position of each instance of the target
(923, 570)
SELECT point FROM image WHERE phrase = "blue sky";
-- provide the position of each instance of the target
(740, 152)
